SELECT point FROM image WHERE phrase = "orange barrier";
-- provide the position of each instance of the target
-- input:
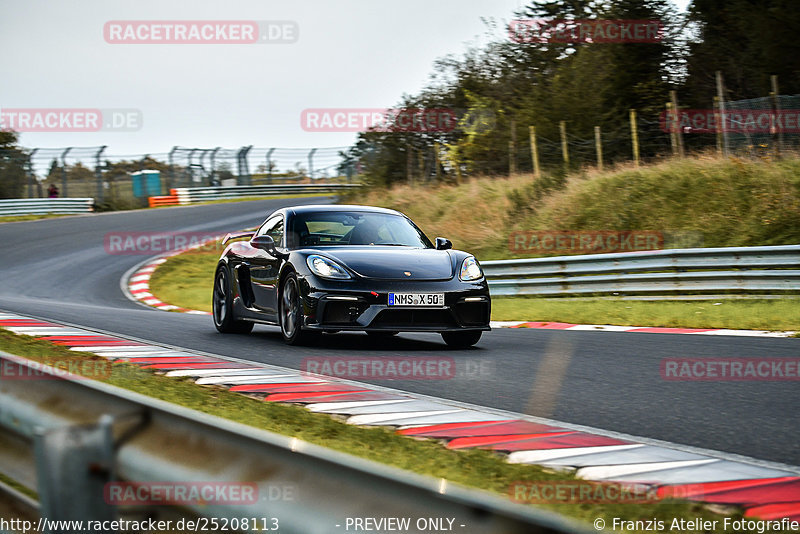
(171, 200)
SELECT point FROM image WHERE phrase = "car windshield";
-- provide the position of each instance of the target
(330, 228)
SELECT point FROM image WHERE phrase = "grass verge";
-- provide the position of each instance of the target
(783, 314)
(186, 280)
(724, 202)
(475, 468)
(22, 218)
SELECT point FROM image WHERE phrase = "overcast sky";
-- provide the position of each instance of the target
(349, 54)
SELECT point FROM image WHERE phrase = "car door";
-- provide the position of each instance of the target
(264, 269)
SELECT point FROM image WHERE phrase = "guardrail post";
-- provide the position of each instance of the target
(73, 465)
(98, 172)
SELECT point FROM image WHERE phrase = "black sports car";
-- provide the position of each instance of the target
(314, 269)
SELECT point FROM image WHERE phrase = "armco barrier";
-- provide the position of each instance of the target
(43, 206)
(189, 195)
(86, 434)
(169, 200)
(772, 269)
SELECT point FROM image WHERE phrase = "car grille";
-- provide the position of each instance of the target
(414, 317)
(473, 313)
(342, 312)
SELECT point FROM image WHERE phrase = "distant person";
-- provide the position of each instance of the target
(52, 191)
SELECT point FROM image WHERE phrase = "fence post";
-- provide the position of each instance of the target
(512, 149)
(269, 165)
(671, 123)
(673, 95)
(244, 171)
(721, 97)
(98, 172)
(29, 172)
(776, 110)
(64, 172)
(534, 151)
(719, 124)
(598, 147)
(634, 137)
(409, 165)
(452, 156)
(436, 161)
(311, 164)
(562, 128)
(170, 158)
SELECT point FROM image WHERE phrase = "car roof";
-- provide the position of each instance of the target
(339, 207)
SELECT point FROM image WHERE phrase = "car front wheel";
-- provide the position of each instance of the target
(461, 340)
(291, 315)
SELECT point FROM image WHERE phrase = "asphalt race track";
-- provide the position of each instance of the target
(58, 269)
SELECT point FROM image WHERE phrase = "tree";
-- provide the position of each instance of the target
(13, 161)
(748, 40)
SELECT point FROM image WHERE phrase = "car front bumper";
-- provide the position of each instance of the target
(362, 305)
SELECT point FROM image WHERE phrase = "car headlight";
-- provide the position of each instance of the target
(326, 268)
(470, 270)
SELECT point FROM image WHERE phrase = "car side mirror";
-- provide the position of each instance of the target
(443, 244)
(264, 242)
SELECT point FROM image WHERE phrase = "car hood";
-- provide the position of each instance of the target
(392, 263)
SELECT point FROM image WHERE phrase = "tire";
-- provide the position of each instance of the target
(290, 313)
(461, 340)
(222, 306)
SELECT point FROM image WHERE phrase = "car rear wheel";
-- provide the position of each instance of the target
(290, 313)
(462, 340)
(222, 305)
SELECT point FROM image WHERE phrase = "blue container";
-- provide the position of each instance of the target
(146, 183)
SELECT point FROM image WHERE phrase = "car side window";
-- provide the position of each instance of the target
(276, 233)
(274, 229)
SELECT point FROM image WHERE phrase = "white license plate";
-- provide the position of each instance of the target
(417, 299)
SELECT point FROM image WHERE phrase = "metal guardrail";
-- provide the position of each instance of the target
(86, 434)
(43, 206)
(732, 269)
(189, 195)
